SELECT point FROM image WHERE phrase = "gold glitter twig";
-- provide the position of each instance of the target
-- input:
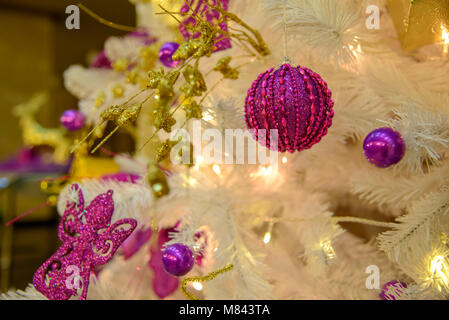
(104, 21)
(206, 278)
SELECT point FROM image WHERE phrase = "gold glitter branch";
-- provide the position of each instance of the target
(206, 278)
(259, 44)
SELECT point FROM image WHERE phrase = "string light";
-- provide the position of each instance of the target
(207, 116)
(199, 160)
(284, 160)
(263, 171)
(197, 286)
(445, 38)
(216, 169)
(326, 246)
(439, 270)
(267, 237)
(445, 35)
(191, 181)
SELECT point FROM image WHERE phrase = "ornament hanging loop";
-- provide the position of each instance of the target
(284, 21)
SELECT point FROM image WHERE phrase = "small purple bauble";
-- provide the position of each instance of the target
(392, 290)
(72, 120)
(384, 147)
(289, 108)
(178, 259)
(166, 52)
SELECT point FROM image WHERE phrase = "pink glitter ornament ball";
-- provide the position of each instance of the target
(293, 101)
(393, 290)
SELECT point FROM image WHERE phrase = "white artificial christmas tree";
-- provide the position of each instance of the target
(315, 226)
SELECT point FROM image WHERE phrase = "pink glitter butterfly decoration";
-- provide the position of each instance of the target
(201, 8)
(88, 240)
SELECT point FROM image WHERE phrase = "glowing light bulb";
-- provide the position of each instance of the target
(199, 160)
(191, 181)
(439, 270)
(197, 285)
(267, 237)
(445, 35)
(445, 38)
(437, 264)
(284, 159)
(328, 249)
(216, 169)
(207, 116)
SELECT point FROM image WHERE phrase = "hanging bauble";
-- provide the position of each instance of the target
(384, 147)
(392, 290)
(166, 52)
(72, 120)
(178, 259)
(295, 102)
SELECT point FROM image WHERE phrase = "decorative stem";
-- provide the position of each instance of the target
(365, 221)
(104, 21)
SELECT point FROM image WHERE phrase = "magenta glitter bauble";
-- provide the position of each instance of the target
(295, 102)
(392, 290)
(178, 259)
(166, 52)
(72, 120)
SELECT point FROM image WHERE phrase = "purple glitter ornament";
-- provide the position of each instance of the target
(384, 147)
(72, 120)
(164, 284)
(166, 52)
(211, 15)
(392, 290)
(289, 109)
(178, 259)
(88, 240)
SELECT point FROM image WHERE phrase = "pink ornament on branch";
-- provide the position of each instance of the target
(289, 109)
(88, 240)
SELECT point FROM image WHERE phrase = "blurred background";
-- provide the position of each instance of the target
(35, 49)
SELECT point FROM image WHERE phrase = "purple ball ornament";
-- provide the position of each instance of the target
(295, 102)
(384, 147)
(178, 259)
(72, 120)
(166, 52)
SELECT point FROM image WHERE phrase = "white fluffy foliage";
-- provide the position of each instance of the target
(426, 136)
(378, 186)
(211, 204)
(332, 28)
(223, 114)
(426, 220)
(30, 293)
(83, 82)
(344, 279)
